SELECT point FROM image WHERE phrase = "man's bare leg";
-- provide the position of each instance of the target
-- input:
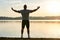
(28, 32)
(22, 30)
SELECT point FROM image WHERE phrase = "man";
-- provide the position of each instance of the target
(25, 18)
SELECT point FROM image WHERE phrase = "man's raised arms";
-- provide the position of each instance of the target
(35, 9)
(15, 10)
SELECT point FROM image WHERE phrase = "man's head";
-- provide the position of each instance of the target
(25, 7)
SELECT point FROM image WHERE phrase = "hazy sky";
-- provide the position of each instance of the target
(48, 7)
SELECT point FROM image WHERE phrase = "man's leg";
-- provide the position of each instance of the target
(28, 31)
(22, 30)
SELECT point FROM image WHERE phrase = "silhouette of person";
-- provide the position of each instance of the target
(25, 18)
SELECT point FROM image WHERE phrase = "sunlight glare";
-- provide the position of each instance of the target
(53, 7)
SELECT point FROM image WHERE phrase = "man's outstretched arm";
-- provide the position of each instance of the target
(35, 9)
(15, 10)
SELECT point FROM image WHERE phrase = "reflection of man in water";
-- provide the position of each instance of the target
(25, 18)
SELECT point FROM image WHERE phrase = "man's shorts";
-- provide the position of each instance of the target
(25, 22)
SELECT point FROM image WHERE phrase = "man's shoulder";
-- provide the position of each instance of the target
(25, 10)
(21, 10)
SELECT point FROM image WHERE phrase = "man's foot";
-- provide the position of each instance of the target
(29, 37)
(21, 37)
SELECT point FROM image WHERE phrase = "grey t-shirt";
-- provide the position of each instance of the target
(25, 14)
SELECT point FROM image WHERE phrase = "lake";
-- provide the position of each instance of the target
(38, 28)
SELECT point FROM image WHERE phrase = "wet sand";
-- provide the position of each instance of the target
(3, 38)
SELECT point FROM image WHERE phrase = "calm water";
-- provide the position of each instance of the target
(38, 29)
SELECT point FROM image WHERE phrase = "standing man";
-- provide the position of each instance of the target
(25, 18)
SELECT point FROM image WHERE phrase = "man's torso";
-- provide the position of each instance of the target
(25, 14)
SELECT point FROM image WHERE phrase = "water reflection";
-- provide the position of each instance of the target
(38, 29)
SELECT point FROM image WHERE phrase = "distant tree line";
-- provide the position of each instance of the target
(32, 18)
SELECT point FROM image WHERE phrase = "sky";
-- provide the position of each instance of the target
(47, 7)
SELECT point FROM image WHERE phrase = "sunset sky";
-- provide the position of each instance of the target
(48, 7)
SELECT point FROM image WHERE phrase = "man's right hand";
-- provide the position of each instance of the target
(11, 8)
(38, 7)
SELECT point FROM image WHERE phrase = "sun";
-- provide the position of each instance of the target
(53, 7)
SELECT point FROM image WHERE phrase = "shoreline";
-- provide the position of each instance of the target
(35, 21)
(6, 38)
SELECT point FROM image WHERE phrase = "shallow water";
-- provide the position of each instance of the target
(38, 29)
